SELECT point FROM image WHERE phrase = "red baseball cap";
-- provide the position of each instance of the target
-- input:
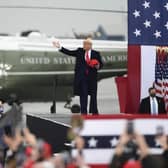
(93, 62)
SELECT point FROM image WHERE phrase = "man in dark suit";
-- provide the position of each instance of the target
(88, 62)
(152, 104)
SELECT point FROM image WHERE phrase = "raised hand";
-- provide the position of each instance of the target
(56, 44)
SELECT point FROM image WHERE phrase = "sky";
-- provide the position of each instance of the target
(59, 22)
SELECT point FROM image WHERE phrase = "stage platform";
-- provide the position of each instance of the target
(63, 119)
(51, 127)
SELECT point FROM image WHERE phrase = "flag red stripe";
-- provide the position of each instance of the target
(160, 84)
(134, 69)
(158, 91)
(165, 84)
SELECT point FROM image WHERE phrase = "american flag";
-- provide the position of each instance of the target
(161, 74)
(147, 31)
(102, 134)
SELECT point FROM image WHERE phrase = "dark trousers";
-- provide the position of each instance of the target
(84, 99)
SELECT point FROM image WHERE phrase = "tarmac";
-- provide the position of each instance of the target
(107, 101)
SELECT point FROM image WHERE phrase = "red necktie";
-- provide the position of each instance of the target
(87, 61)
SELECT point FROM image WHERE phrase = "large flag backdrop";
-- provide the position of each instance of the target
(147, 51)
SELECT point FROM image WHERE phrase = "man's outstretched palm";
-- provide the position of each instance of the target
(56, 44)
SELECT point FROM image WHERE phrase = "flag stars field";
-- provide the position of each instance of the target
(166, 25)
(137, 32)
(136, 13)
(147, 23)
(156, 15)
(92, 142)
(157, 34)
(114, 142)
(146, 4)
(166, 6)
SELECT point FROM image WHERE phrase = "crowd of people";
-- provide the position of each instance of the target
(24, 150)
(132, 151)
(19, 148)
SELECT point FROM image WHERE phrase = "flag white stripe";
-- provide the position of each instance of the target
(148, 60)
(103, 127)
(98, 156)
(107, 127)
(104, 156)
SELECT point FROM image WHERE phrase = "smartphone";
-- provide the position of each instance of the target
(130, 127)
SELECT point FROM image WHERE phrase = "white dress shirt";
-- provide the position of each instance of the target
(151, 105)
(89, 53)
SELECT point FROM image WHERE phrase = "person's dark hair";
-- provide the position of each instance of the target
(2, 100)
(151, 88)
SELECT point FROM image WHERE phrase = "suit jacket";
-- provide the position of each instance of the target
(145, 107)
(81, 67)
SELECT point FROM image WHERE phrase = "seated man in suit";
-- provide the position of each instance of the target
(152, 104)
